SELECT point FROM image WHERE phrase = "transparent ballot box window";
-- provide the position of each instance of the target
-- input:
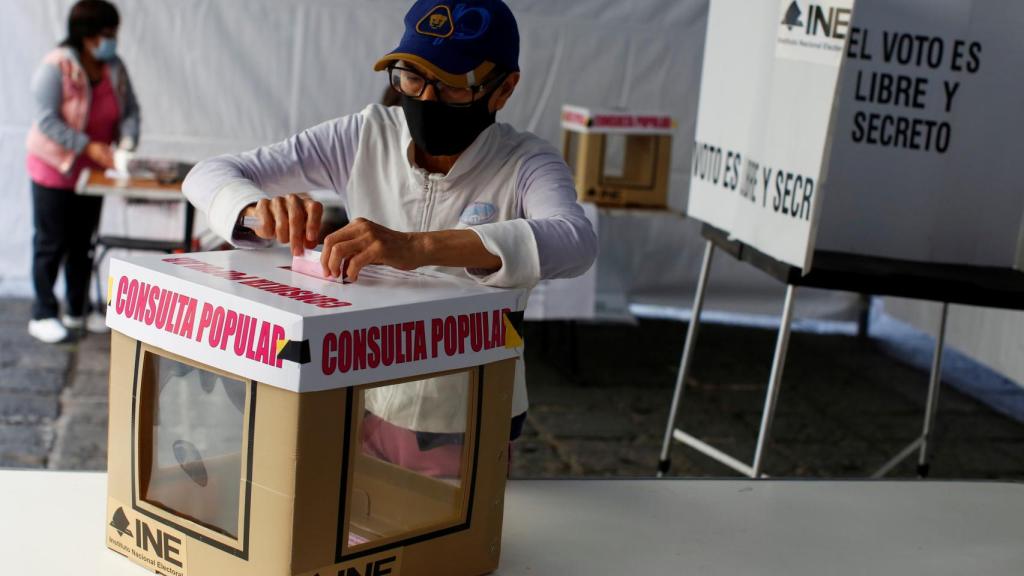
(191, 443)
(411, 459)
(629, 160)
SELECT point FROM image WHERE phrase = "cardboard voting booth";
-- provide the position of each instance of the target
(924, 159)
(266, 422)
(862, 146)
(618, 157)
(880, 130)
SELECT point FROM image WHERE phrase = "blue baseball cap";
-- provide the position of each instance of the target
(459, 41)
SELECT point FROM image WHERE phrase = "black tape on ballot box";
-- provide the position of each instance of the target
(295, 351)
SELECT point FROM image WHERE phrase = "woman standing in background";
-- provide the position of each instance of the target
(84, 103)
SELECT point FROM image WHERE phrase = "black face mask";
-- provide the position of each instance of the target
(442, 130)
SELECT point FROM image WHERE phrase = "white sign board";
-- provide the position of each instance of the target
(889, 131)
(926, 151)
(769, 80)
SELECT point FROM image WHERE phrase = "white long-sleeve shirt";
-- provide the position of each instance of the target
(324, 157)
(511, 188)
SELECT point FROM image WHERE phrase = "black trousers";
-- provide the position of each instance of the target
(65, 223)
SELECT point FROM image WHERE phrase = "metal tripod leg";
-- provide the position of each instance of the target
(775, 381)
(934, 381)
(684, 362)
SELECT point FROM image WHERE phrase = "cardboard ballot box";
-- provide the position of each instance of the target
(618, 158)
(269, 423)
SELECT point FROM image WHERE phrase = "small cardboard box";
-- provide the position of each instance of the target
(618, 158)
(244, 433)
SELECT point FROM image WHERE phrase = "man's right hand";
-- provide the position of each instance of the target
(290, 219)
(101, 154)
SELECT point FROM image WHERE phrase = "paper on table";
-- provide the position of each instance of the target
(116, 174)
(121, 159)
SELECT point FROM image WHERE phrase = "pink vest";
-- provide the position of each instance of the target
(74, 109)
(103, 120)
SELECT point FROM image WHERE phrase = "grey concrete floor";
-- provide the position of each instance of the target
(599, 401)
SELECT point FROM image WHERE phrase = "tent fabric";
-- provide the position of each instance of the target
(217, 76)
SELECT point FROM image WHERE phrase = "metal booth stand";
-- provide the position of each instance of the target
(940, 223)
(972, 285)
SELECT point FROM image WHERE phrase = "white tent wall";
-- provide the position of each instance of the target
(216, 76)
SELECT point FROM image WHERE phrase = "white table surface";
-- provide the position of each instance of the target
(618, 527)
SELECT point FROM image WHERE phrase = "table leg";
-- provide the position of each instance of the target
(864, 316)
(99, 253)
(190, 216)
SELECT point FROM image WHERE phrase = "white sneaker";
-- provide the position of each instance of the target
(48, 330)
(72, 322)
(96, 323)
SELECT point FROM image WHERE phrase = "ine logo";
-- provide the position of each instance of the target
(792, 17)
(824, 21)
(120, 523)
(154, 546)
(373, 568)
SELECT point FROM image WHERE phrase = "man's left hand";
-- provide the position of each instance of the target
(363, 242)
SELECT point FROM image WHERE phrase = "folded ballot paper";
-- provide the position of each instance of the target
(309, 264)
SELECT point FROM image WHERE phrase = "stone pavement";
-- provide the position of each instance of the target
(599, 400)
(53, 399)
